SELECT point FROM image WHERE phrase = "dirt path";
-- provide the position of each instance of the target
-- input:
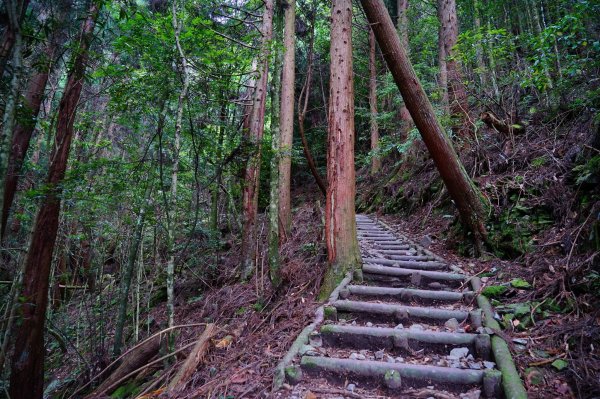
(408, 326)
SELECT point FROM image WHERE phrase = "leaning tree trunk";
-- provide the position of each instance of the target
(456, 92)
(375, 160)
(286, 117)
(23, 130)
(27, 375)
(303, 108)
(255, 134)
(10, 111)
(340, 222)
(463, 192)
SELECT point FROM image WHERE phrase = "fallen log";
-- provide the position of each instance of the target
(134, 360)
(494, 122)
(180, 380)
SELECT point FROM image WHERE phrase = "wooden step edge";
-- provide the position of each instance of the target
(337, 335)
(402, 272)
(407, 294)
(407, 264)
(396, 375)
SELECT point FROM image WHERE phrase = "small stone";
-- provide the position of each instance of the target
(360, 356)
(430, 387)
(390, 359)
(476, 394)
(315, 339)
(307, 350)
(379, 354)
(369, 324)
(353, 356)
(212, 371)
(460, 330)
(489, 365)
(351, 387)
(416, 327)
(399, 327)
(455, 365)
(392, 379)
(293, 374)
(353, 322)
(460, 352)
(470, 357)
(426, 241)
(474, 366)
(400, 359)
(451, 324)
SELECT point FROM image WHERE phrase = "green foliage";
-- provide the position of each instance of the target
(519, 283)
(494, 291)
(560, 364)
(588, 172)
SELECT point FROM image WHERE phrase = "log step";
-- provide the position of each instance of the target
(376, 338)
(406, 374)
(408, 294)
(413, 274)
(422, 265)
(402, 313)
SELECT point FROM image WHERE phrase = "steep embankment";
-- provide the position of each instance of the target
(543, 185)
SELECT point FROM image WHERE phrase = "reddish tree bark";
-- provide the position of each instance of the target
(27, 375)
(340, 223)
(286, 117)
(24, 129)
(466, 196)
(457, 95)
(376, 160)
(255, 134)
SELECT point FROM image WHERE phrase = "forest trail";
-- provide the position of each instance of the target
(409, 325)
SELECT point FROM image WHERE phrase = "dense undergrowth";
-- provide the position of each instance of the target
(256, 324)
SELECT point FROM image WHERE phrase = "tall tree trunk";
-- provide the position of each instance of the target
(255, 134)
(286, 116)
(402, 7)
(303, 108)
(376, 160)
(466, 196)
(172, 211)
(10, 110)
(23, 130)
(340, 222)
(275, 183)
(9, 37)
(216, 186)
(457, 95)
(27, 375)
(127, 274)
(479, 48)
